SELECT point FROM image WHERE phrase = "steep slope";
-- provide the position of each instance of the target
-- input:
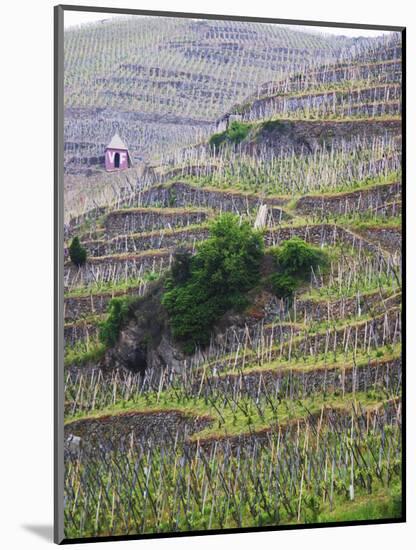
(162, 82)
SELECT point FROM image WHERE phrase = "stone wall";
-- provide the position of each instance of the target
(180, 194)
(298, 384)
(367, 334)
(389, 238)
(150, 427)
(346, 203)
(331, 310)
(164, 238)
(331, 101)
(306, 136)
(136, 220)
(380, 71)
(319, 235)
(339, 418)
(79, 331)
(116, 268)
(76, 307)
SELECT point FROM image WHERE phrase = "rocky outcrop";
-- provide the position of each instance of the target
(145, 342)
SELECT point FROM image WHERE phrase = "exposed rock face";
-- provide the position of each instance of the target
(146, 341)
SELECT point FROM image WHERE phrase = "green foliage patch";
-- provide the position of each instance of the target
(294, 261)
(118, 311)
(77, 252)
(235, 134)
(203, 287)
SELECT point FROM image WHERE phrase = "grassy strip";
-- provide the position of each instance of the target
(231, 421)
(227, 184)
(88, 319)
(385, 503)
(376, 223)
(319, 362)
(107, 288)
(159, 210)
(131, 255)
(82, 353)
(366, 184)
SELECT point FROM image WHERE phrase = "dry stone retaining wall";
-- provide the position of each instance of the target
(389, 238)
(263, 108)
(80, 331)
(346, 203)
(313, 310)
(319, 235)
(115, 269)
(151, 427)
(120, 222)
(76, 307)
(150, 241)
(247, 442)
(293, 384)
(180, 194)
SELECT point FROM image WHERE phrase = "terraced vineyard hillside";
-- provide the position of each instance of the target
(290, 412)
(167, 81)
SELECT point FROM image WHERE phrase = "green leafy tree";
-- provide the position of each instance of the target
(181, 266)
(296, 257)
(283, 285)
(224, 268)
(77, 252)
(294, 260)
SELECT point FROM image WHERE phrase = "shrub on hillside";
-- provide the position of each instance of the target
(282, 284)
(235, 133)
(294, 261)
(118, 310)
(77, 252)
(296, 257)
(181, 266)
(224, 268)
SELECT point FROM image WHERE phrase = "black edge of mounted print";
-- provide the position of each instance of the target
(58, 526)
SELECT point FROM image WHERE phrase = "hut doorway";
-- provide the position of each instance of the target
(117, 160)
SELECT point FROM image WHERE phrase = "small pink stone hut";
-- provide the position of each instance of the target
(117, 156)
